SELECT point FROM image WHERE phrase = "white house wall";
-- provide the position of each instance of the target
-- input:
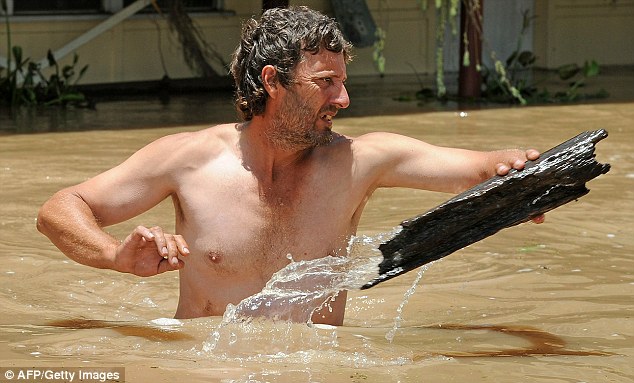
(565, 31)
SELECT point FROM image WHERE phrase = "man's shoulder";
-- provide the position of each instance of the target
(222, 131)
(370, 142)
(379, 149)
(360, 143)
(364, 150)
(195, 146)
(214, 137)
(363, 139)
(374, 137)
(216, 133)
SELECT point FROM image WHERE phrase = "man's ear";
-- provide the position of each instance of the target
(269, 80)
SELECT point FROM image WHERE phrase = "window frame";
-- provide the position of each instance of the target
(107, 7)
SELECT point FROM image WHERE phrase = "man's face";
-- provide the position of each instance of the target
(304, 118)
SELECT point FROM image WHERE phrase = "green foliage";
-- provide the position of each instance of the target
(25, 84)
(447, 16)
(377, 53)
(579, 75)
(446, 13)
(505, 86)
(511, 81)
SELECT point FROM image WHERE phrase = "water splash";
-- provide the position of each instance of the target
(300, 288)
(398, 320)
(295, 292)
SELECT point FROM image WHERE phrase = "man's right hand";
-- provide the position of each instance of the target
(146, 252)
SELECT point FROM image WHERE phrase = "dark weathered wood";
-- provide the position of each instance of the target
(556, 178)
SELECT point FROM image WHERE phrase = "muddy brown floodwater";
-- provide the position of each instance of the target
(534, 303)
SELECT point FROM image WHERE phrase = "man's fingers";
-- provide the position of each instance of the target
(502, 169)
(166, 248)
(170, 247)
(142, 233)
(161, 242)
(164, 265)
(532, 154)
(518, 164)
(176, 246)
(182, 245)
(172, 251)
(539, 219)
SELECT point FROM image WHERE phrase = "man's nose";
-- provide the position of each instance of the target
(341, 98)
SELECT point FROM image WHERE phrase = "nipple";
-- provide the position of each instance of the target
(214, 257)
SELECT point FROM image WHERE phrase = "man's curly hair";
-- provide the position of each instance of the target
(278, 39)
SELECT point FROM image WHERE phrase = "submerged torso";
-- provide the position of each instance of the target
(241, 230)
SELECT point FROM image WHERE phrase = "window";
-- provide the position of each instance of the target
(190, 5)
(75, 7)
(38, 7)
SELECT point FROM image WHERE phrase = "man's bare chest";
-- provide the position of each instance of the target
(237, 226)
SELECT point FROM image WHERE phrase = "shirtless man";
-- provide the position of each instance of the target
(248, 194)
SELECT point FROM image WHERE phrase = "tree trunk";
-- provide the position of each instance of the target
(469, 77)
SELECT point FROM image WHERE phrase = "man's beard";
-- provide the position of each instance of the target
(293, 127)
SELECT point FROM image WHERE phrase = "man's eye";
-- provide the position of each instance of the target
(328, 80)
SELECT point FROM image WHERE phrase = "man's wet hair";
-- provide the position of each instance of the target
(279, 38)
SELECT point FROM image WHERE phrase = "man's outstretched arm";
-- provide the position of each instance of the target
(401, 161)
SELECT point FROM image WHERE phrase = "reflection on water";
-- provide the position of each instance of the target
(538, 342)
(541, 342)
(131, 112)
(539, 303)
(154, 334)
